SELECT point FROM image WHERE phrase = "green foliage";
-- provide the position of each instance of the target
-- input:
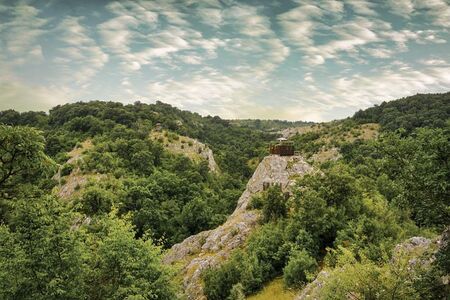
(47, 256)
(272, 202)
(48, 252)
(237, 292)
(429, 283)
(268, 125)
(97, 200)
(411, 172)
(66, 169)
(421, 110)
(196, 215)
(22, 157)
(348, 216)
(125, 267)
(300, 269)
(405, 276)
(263, 260)
(337, 208)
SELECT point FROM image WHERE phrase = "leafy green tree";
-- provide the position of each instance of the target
(96, 200)
(219, 282)
(22, 157)
(48, 256)
(300, 269)
(196, 215)
(274, 204)
(125, 267)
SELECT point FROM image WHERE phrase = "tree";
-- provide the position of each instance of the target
(126, 267)
(274, 204)
(22, 157)
(41, 253)
(196, 215)
(300, 269)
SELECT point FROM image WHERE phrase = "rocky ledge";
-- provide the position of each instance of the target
(210, 248)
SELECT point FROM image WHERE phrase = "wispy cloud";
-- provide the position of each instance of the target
(20, 34)
(80, 55)
(298, 59)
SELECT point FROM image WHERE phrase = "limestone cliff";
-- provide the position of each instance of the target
(187, 146)
(210, 248)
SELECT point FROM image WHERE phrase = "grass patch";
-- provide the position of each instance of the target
(274, 290)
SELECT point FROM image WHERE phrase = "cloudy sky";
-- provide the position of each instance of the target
(296, 60)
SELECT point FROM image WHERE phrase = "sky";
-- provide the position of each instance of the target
(294, 60)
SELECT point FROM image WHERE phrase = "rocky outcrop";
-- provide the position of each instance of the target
(187, 146)
(412, 248)
(314, 287)
(210, 248)
(75, 180)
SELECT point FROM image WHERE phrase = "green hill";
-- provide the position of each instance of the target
(93, 194)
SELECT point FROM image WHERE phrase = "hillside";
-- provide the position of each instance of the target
(268, 125)
(210, 248)
(375, 187)
(106, 200)
(193, 149)
(421, 110)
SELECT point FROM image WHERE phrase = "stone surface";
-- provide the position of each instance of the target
(414, 247)
(187, 146)
(314, 286)
(210, 248)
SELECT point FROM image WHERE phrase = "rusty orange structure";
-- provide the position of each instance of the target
(283, 148)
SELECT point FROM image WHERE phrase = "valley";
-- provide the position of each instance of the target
(199, 201)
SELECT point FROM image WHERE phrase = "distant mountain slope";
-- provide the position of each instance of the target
(421, 110)
(268, 125)
(65, 125)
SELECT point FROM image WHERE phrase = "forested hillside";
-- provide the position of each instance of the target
(374, 191)
(93, 194)
(123, 196)
(421, 110)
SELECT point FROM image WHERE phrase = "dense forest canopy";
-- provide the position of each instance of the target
(421, 110)
(131, 198)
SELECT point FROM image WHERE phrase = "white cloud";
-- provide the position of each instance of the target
(403, 8)
(434, 62)
(206, 92)
(211, 16)
(438, 10)
(303, 23)
(247, 20)
(81, 55)
(136, 23)
(380, 52)
(362, 7)
(298, 24)
(359, 91)
(24, 97)
(20, 34)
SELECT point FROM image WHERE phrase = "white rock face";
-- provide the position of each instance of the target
(209, 156)
(187, 146)
(210, 248)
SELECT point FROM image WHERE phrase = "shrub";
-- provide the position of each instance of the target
(66, 169)
(301, 268)
(274, 204)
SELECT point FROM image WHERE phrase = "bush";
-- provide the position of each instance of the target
(274, 204)
(66, 169)
(300, 269)
(218, 282)
(237, 292)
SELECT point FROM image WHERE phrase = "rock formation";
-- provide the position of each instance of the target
(210, 248)
(187, 146)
